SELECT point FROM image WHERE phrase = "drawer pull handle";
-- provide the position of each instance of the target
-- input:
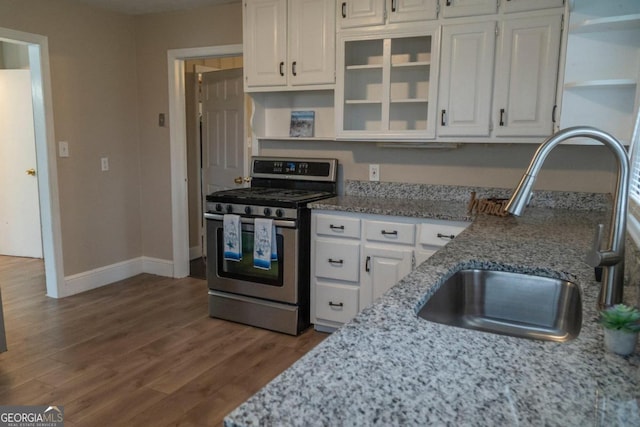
(344, 9)
(446, 236)
(336, 261)
(336, 227)
(367, 264)
(333, 304)
(389, 233)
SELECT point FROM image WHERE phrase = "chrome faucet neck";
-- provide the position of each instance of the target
(612, 258)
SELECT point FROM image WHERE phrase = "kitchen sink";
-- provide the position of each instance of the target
(506, 303)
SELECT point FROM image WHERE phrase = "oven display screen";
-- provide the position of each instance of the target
(291, 168)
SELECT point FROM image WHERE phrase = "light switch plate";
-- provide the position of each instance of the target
(104, 162)
(374, 172)
(63, 149)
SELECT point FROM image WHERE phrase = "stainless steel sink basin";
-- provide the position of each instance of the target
(507, 303)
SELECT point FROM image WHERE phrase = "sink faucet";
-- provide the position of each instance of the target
(612, 258)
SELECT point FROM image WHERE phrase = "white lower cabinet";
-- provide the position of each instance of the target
(356, 258)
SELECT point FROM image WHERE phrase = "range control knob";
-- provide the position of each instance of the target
(247, 210)
(267, 212)
(279, 213)
(229, 209)
(218, 207)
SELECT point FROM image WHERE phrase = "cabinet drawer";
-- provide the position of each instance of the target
(439, 233)
(337, 226)
(337, 260)
(338, 303)
(390, 232)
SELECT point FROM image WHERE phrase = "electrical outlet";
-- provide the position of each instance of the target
(374, 172)
(104, 161)
(63, 149)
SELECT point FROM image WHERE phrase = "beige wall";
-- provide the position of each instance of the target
(92, 57)
(155, 34)
(571, 168)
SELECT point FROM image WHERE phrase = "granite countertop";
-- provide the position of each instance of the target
(389, 367)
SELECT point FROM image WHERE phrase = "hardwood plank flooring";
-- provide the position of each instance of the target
(139, 352)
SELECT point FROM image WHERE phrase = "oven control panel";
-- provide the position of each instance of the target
(292, 168)
(252, 210)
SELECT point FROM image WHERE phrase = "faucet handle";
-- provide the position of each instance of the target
(595, 255)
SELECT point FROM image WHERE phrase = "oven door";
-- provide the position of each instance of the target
(279, 283)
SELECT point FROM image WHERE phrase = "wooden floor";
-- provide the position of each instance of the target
(141, 352)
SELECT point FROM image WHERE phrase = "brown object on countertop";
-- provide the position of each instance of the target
(490, 206)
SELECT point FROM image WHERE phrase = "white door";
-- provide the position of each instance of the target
(413, 10)
(526, 77)
(265, 42)
(384, 267)
(312, 33)
(360, 13)
(223, 151)
(455, 8)
(466, 76)
(20, 232)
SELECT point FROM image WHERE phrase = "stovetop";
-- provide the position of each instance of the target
(257, 195)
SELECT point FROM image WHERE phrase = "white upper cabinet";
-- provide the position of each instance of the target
(526, 76)
(457, 8)
(366, 13)
(265, 42)
(360, 13)
(412, 10)
(383, 88)
(289, 44)
(464, 101)
(527, 5)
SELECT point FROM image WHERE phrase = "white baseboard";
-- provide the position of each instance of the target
(102, 276)
(157, 266)
(195, 252)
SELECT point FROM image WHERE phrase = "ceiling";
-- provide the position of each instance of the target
(142, 7)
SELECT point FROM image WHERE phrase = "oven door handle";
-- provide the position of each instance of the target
(277, 222)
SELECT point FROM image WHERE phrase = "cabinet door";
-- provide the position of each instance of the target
(312, 32)
(265, 42)
(383, 86)
(455, 8)
(526, 76)
(384, 267)
(360, 13)
(413, 10)
(465, 79)
(525, 5)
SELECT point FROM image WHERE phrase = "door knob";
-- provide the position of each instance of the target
(238, 180)
(31, 172)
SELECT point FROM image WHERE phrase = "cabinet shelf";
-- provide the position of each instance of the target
(411, 64)
(410, 100)
(362, 101)
(609, 23)
(603, 83)
(364, 67)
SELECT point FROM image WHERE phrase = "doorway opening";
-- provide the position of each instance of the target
(35, 57)
(214, 113)
(180, 176)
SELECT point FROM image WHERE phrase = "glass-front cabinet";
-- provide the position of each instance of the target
(384, 89)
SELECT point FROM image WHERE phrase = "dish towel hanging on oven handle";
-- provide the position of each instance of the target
(265, 249)
(232, 237)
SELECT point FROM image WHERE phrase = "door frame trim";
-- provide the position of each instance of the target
(38, 52)
(178, 147)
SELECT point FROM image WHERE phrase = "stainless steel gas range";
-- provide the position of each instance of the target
(258, 243)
